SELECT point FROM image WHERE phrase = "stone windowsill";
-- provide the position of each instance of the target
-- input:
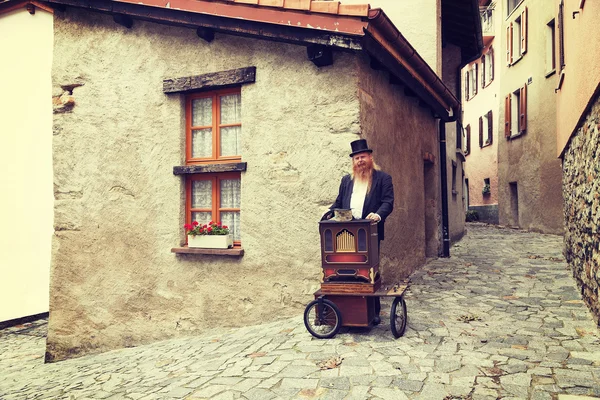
(210, 168)
(236, 251)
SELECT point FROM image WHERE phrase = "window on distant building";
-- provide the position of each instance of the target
(467, 81)
(511, 5)
(213, 134)
(515, 112)
(485, 129)
(474, 79)
(516, 38)
(561, 35)
(550, 48)
(468, 140)
(487, 68)
(454, 192)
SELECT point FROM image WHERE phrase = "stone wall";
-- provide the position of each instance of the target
(581, 193)
(487, 214)
(119, 209)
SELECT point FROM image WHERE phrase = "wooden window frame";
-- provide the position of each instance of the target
(481, 132)
(216, 208)
(216, 158)
(483, 71)
(467, 83)
(490, 127)
(216, 126)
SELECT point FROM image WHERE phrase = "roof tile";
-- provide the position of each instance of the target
(297, 4)
(329, 7)
(271, 3)
(361, 10)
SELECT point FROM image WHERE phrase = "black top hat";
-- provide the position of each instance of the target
(359, 146)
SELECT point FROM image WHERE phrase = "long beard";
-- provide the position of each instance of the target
(363, 172)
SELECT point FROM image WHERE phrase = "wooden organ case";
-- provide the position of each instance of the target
(349, 257)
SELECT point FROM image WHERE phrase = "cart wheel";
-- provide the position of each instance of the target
(322, 318)
(398, 317)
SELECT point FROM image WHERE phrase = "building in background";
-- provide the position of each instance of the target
(480, 119)
(25, 160)
(577, 81)
(447, 34)
(529, 172)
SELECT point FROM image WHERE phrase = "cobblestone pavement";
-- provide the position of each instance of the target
(502, 318)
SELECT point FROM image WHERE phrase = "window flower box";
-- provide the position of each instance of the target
(210, 241)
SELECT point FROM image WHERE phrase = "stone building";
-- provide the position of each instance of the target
(25, 161)
(577, 64)
(480, 119)
(529, 173)
(237, 111)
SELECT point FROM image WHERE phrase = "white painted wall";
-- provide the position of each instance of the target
(26, 204)
(420, 22)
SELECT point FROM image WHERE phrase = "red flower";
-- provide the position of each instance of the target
(204, 226)
(195, 223)
(224, 226)
(187, 226)
(201, 230)
(210, 223)
(219, 224)
(209, 229)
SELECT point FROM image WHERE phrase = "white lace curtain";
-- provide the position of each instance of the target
(231, 198)
(230, 113)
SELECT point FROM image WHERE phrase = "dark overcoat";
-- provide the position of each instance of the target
(379, 200)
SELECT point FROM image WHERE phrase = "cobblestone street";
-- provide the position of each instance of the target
(502, 318)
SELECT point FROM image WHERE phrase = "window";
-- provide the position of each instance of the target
(550, 48)
(561, 34)
(213, 134)
(474, 79)
(468, 140)
(467, 80)
(454, 192)
(512, 4)
(489, 126)
(515, 112)
(487, 189)
(516, 38)
(487, 68)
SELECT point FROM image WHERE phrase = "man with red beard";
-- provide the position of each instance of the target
(368, 191)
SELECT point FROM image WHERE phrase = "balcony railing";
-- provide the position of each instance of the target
(487, 20)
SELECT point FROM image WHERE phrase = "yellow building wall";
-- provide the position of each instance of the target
(582, 66)
(25, 162)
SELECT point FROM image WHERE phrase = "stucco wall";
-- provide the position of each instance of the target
(399, 131)
(119, 208)
(581, 193)
(25, 162)
(482, 162)
(582, 66)
(420, 22)
(530, 160)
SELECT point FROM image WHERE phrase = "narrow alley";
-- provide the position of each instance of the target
(502, 318)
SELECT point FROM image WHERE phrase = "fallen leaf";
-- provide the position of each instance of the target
(510, 297)
(519, 347)
(286, 331)
(331, 363)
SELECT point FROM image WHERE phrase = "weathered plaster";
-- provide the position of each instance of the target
(582, 66)
(399, 133)
(581, 193)
(119, 208)
(530, 160)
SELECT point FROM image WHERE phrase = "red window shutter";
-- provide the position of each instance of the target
(490, 127)
(480, 131)
(523, 110)
(524, 31)
(467, 77)
(476, 79)
(483, 71)
(507, 116)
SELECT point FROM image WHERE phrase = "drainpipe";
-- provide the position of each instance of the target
(444, 173)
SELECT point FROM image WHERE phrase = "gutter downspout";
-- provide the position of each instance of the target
(444, 174)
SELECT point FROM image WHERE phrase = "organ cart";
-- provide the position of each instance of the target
(351, 283)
